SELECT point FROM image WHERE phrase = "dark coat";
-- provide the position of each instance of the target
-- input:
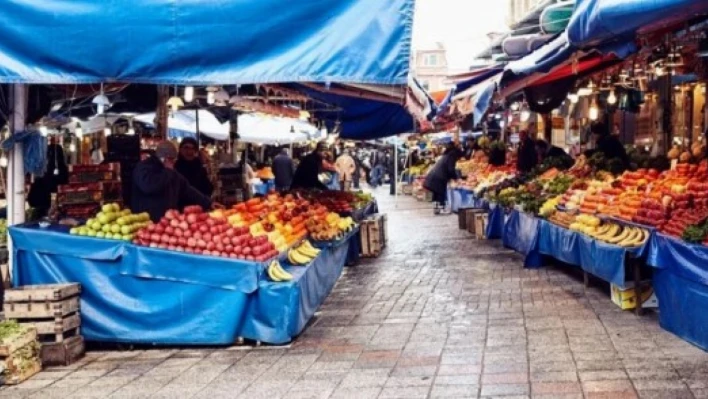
(40, 193)
(284, 170)
(157, 189)
(307, 173)
(196, 175)
(442, 172)
(611, 147)
(527, 157)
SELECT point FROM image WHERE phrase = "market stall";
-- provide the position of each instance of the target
(143, 286)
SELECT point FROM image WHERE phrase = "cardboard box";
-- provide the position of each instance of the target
(625, 298)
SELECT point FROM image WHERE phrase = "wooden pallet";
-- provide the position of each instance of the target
(41, 310)
(47, 292)
(63, 353)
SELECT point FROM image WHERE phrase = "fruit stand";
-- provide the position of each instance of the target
(195, 278)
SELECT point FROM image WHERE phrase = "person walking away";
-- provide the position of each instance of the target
(357, 168)
(307, 173)
(346, 169)
(440, 175)
(189, 164)
(526, 158)
(57, 173)
(157, 187)
(284, 170)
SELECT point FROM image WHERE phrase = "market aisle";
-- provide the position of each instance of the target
(439, 315)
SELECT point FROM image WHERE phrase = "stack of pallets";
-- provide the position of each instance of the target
(53, 310)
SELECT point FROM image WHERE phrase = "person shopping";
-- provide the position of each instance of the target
(189, 164)
(346, 167)
(284, 170)
(440, 175)
(157, 187)
(307, 173)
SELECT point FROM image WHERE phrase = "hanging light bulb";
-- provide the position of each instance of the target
(102, 102)
(107, 130)
(78, 131)
(3, 160)
(525, 115)
(210, 98)
(179, 139)
(659, 71)
(573, 97)
(211, 151)
(515, 106)
(72, 147)
(594, 112)
(189, 94)
(175, 103)
(612, 98)
(43, 131)
(131, 129)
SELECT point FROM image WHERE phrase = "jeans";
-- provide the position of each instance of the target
(377, 175)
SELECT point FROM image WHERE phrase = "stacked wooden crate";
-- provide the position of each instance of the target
(54, 311)
(19, 352)
(90, 186)
(373, 235)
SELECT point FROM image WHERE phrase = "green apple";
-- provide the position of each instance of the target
(115, 229)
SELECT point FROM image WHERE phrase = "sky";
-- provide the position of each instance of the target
(461, 25)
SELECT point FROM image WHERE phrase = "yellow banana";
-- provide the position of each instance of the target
(307, 245)
(619, 237)
(630, 238)
(309, 252)
(296, 258)
(611, 232)
(281, 273)
(272, 274)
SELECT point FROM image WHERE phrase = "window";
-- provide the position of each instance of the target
(430, 60)
(425, 84)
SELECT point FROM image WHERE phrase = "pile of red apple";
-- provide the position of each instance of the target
(195, 232)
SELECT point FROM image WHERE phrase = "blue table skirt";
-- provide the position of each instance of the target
(521, 234)
(143, 295)
(462, 197)
(681, 285)
(496, 221)
(600, 259)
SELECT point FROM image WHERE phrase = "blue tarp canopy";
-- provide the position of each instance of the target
(359, 118)
(597, 21)
(201, 43)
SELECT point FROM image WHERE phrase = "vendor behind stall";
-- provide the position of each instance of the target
(157, 187)
(189, 164)
(283, 169)
(307, 173)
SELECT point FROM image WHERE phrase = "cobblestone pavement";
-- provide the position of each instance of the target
(439, 315)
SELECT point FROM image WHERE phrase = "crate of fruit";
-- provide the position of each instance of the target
(92, 177)
(113, 167)
(79, 197)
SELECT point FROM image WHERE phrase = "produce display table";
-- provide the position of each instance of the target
(521, 234)
(496, 222)
(681, 285)
(462, 197)
(142, 295)
(605, 261)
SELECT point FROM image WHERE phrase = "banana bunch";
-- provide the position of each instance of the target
(277, 273)
(303, 254)
(624, 236)
(346, 224)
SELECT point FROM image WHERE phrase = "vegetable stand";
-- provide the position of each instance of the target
(137, 294)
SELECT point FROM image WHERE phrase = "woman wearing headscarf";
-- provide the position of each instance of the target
(189, 164)
(440, 175)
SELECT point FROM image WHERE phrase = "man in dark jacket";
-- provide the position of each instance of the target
(307, 173)
(57, 173)
(608, 144)
(440, 175)
(526, 158)
(546, 150)
(284, 170)
(190, 165)
(157, 187)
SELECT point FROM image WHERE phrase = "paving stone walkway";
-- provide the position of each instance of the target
(439, 315)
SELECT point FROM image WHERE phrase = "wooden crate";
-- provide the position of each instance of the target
(52, 309)
(14, 377)
(16, 342)
(407, 189)
(63, 353)
(480, 225)
(464, 214)
(374, 235)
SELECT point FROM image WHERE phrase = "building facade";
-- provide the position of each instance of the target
(430, 67)
(518, 9)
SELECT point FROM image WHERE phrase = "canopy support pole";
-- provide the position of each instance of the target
(15, 193)
(163, 93)
(395, 171)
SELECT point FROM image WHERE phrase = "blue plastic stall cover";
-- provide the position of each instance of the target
(360, 118)
(139, 307)
(681, 285)
(521, 235)
(495, 222)
(278, 312)
(607, 261)
(201, 43)
(559, 243)
(542, 60)
(597, 21)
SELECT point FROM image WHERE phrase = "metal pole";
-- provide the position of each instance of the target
(395, 171)
(15, 194)
(196, 122)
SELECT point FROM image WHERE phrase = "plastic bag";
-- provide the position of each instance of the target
(34, 149)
